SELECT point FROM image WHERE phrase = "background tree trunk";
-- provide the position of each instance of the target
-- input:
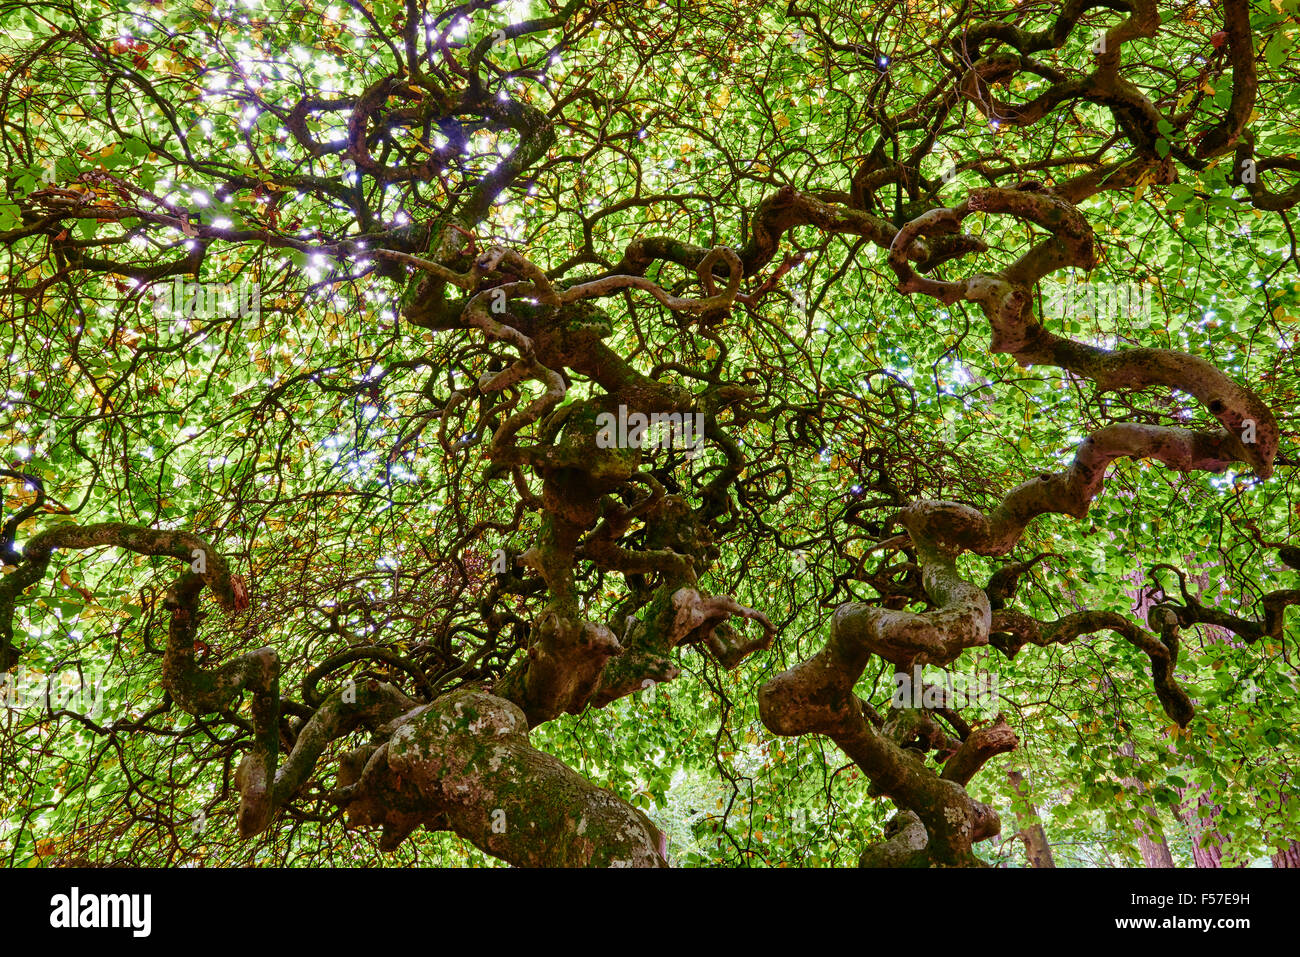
(1153, 847)
(1201, 828)
(1151, 836)
(1288, 858)
(1037, 850)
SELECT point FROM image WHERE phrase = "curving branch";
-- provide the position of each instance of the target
(1012, 630)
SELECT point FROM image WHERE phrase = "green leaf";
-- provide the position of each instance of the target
(1276, 50)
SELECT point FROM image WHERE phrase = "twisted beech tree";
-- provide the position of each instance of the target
(349, 539)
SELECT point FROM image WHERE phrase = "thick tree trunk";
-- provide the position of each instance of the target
(1151, 841)
(1207, 842)
(1152, 844)
(1037, 850)
(1288, 858)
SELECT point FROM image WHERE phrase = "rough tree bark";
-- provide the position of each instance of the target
(1151, 836)
(1037, 849)
(1288, 858)
(1198, 814)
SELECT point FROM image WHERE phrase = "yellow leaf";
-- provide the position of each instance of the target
(782, 121)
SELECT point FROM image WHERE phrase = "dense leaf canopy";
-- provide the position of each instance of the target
(315, 530)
